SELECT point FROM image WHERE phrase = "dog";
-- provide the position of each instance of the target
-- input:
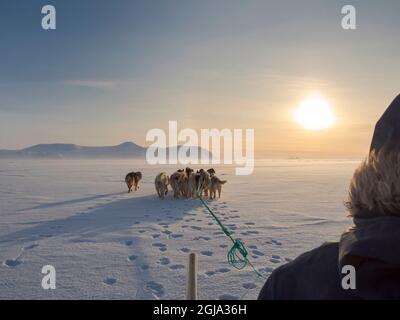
(178, 181)
(132, 180)
(188, 171)
(161, 182)
(202, 180)
(211, 172)
(188, 187)
(191, 185)
(215, 185)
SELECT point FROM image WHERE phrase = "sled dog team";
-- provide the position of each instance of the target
(184, 183)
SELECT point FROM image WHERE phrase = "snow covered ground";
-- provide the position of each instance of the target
(107, 244)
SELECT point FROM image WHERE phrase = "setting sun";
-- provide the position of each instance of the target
(314, 113)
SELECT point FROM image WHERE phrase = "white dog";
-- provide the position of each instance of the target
(215, 185)
(161, 183)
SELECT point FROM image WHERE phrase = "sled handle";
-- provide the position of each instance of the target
(191, 281)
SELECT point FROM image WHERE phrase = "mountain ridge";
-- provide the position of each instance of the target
(126, 149)
(69, 150)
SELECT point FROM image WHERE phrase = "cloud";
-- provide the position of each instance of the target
(96, 84)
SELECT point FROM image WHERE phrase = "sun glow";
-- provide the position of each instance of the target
(314, 113)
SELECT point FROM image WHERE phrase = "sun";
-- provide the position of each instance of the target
(314, 113)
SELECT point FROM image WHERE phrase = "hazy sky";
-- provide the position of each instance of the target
(114, 69)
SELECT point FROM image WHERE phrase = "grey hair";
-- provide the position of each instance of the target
(376, 185)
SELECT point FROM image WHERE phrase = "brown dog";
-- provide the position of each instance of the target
(188, 171)
(203, 180)
(178, 181)
(132, 180)
(211, 172)
(191, 185)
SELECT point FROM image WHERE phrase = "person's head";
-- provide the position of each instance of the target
(375, 187)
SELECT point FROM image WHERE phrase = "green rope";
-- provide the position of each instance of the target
(237, 254)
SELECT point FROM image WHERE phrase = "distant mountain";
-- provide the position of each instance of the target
(72, 151)
(189, 153)
(58, 150)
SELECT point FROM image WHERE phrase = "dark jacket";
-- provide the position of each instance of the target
(372, 246)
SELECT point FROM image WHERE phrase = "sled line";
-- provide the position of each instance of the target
(237, 254)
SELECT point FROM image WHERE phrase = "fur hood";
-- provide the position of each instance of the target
(376, 182)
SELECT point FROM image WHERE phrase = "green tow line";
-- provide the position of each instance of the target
(237, 255)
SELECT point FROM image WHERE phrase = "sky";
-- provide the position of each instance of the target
(112, 70)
